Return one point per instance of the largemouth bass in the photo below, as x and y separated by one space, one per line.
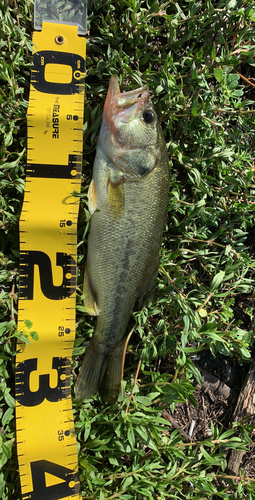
128 199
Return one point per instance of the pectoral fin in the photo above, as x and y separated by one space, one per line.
116 199
89 299
92 197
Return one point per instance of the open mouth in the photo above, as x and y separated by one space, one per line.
117 100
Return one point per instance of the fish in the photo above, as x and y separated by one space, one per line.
128 203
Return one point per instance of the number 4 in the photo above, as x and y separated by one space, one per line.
69 486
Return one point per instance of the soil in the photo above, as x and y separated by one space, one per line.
213 406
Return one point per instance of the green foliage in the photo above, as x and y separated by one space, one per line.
143 457
198 60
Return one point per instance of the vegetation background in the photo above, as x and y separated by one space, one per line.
198 59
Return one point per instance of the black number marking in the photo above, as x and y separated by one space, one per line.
69 487
61 330
38 81
30 259
26 397
61 435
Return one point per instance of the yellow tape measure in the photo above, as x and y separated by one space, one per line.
47 450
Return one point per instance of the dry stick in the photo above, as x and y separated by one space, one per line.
136 375
205 302
12 299
123 363
125 351
245 79
17 13
133 386
191 429
245 409
175 424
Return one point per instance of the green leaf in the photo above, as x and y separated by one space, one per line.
23 338
131 438
126 483
7 448
34 336
190 367
218 74
214 336
122 446
184 339
217 281
213 52
202 313
211 8
145 58
9 399
186 323
193 71
142 433
28 323
195 176
194 107
181 358
207 455
221 38
159 89
8 415
143 400
232 4
98 443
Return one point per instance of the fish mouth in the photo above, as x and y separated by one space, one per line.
117 101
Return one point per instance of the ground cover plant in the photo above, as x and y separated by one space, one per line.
198 60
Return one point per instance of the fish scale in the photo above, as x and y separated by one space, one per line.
124 243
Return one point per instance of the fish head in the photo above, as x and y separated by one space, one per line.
130 132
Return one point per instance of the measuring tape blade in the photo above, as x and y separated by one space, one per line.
47 449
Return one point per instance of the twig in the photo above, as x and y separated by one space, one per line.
17 13
134 383
191 429
245 408
12 298
245 79
175 424
136 375
205 302
125 351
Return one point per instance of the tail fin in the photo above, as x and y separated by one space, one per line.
101 371
109 387
92 370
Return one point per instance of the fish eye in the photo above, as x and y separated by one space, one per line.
148 116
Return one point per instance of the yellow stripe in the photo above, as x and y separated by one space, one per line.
46 441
